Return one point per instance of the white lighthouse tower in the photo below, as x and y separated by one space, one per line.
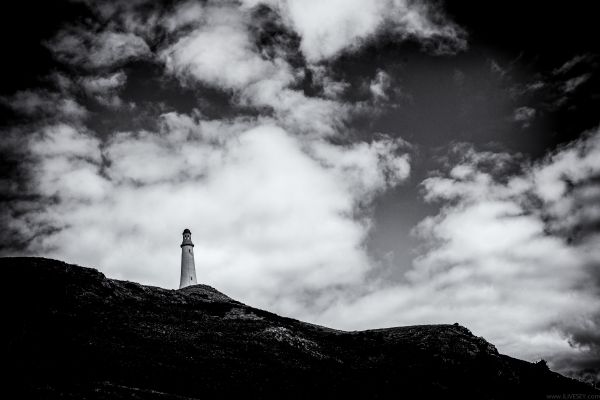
188 269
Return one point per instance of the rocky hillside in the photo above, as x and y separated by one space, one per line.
74 334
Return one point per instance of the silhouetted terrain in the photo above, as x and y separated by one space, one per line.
74 334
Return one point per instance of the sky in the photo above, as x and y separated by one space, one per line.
353 163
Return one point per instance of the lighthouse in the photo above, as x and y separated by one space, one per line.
188 269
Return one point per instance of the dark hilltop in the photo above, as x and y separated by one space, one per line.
74 334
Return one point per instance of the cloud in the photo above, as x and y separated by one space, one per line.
524 115
105 88
91 50
280 162
263 76
380 85
556 88
68 165
573 83
568 186
234 64
280 201
328 28
238 66
534 86
367 168
255 196
185 14
331 88
219 44
44 104
570 64
508 255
